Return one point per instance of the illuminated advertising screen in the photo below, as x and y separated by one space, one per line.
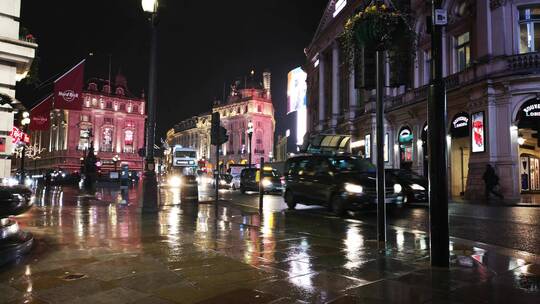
478 132
297 102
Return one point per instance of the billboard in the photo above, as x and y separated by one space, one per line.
297 102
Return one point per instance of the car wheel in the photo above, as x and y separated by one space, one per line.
242 190
233 187
290 200
338 206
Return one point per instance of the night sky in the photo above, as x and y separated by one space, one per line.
202 45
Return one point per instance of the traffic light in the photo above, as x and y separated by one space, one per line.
214 132
223 137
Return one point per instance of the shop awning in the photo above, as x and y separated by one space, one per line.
327 143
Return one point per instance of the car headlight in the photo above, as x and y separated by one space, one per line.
397 188
266 183
175 181
352 188
418 187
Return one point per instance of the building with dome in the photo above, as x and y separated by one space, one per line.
249 101
112 120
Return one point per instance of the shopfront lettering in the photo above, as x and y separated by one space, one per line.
532 110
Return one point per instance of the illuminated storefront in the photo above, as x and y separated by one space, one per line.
528 125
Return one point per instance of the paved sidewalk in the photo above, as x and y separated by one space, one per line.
108 253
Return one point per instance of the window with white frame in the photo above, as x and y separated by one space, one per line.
128 141
463 51
427 67
529 29
107 139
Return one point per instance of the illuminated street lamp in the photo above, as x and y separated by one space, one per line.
115 160
150 199
24 122
250 136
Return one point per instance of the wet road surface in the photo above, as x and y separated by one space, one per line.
509 227
104 250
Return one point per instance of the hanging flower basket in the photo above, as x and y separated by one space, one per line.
378 27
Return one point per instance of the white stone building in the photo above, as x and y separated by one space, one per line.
491 68
16 55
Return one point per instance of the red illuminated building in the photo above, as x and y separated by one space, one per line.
112 120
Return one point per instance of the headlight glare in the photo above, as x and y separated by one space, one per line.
397 188
418 187
175 181
266 183
352 188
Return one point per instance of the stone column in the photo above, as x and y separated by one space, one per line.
483 39
353 96
322 101
335 85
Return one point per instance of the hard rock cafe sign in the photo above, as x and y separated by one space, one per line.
68 95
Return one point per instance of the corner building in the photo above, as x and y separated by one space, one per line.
491 62
248 101
111 119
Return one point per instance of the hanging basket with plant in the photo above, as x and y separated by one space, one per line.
380 27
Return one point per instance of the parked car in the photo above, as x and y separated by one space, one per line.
271 180
414 186
339 182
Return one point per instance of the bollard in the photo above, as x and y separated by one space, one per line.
261 187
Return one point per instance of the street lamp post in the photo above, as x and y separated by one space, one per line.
150 199
115 159
250 136
24 122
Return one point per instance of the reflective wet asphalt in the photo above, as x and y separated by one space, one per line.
515 227
101 249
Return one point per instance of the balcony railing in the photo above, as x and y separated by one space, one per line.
499 66
524 61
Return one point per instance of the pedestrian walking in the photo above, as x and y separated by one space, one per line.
491 181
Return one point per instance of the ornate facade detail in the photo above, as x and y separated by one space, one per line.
495 4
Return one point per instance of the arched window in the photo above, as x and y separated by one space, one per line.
107 139
129 136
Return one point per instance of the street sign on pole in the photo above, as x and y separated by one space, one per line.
438 172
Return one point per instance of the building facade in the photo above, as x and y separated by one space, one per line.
251 103
112 120
490 64
16 55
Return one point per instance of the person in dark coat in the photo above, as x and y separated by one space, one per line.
491 181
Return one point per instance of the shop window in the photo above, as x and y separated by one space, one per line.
406 152
463 51
128 141
107 139
529 29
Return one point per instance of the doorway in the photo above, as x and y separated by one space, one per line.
460 150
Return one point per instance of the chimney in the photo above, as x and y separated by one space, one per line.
267 81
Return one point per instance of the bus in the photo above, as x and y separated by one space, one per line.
183 162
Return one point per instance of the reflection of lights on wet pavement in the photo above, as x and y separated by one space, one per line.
400 238
353 242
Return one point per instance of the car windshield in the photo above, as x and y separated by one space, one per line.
185 154
346 164
270 173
